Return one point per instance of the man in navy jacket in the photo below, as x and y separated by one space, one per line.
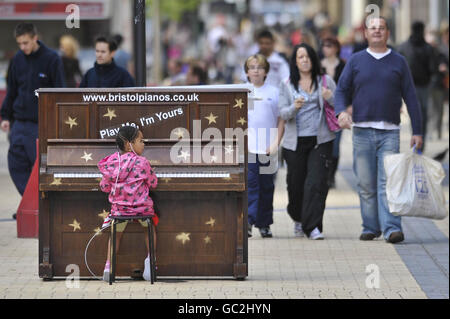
34 66
106 73
374 82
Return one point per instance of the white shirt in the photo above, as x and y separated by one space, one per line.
381 125
279 70
263 119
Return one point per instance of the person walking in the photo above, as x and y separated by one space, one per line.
308 142
374 81
422 62
122 58
105 73
68 46
265 131
333 66
279 68
439 85
34 66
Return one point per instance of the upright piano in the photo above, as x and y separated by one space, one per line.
196 143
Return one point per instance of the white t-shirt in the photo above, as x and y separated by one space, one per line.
381 125
279 70
263 119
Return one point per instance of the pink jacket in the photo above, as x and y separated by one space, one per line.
136 177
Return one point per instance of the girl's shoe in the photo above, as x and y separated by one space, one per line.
106 222
106 272
147 271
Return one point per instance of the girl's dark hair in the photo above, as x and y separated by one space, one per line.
126 134
316 70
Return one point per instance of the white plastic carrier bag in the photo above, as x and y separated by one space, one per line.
413 186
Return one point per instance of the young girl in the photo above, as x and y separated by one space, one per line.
263 121
128 178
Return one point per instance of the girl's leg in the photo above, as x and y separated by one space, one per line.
147 275
154 239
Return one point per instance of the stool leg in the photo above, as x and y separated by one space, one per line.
113 254
153 251
150 248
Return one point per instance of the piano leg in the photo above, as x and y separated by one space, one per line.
151 250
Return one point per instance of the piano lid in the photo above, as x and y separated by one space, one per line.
201 88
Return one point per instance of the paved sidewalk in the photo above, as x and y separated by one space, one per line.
284 267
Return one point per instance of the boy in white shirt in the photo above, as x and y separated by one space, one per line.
265 130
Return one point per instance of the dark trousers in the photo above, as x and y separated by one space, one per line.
260 195
22 152
307 173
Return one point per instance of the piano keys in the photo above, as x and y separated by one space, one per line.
202 182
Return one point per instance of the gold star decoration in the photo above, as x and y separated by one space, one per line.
103 214
110 114
211 118
87 157
71 122
227 178
166 179
75 225
207 239
97 230
211 222
239 103
56 181
242 121
183 237
184 155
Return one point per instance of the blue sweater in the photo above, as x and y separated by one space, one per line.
375 88
107 76
40 69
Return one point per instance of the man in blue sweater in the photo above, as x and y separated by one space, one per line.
374 81
106 73
34 66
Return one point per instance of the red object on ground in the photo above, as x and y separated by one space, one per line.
28 211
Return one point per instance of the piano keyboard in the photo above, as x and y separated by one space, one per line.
159 175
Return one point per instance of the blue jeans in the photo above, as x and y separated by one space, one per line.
369 148
260 195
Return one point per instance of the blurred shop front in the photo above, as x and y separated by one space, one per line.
96 17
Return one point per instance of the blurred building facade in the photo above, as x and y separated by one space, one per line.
49 16
188 38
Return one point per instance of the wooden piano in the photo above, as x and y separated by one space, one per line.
201 169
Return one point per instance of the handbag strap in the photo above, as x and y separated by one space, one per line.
324 81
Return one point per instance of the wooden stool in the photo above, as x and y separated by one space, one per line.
121 219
